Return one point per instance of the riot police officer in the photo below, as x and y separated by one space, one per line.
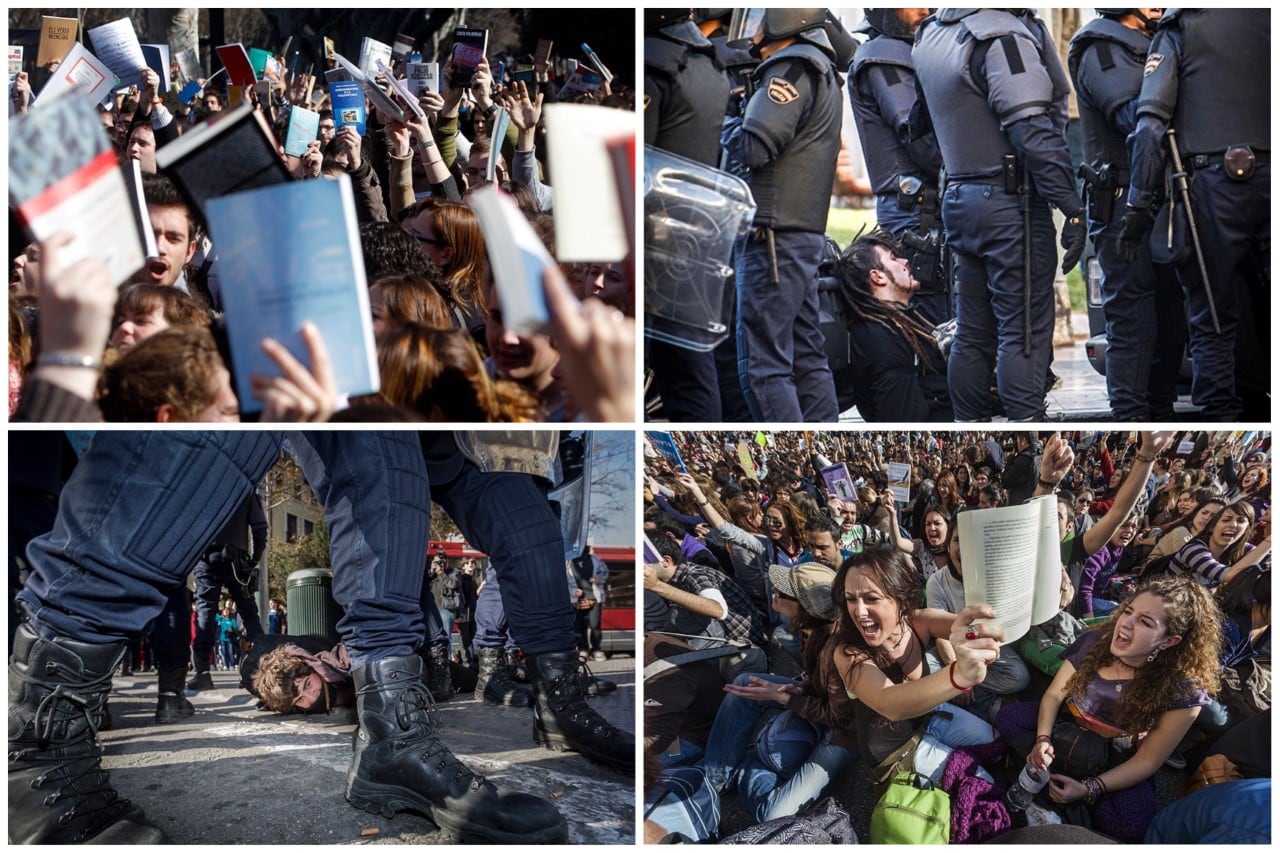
882 92
997 100
685 93
1142 301
1207 78
789 137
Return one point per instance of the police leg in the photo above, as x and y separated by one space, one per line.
1222 216
687 381
972 360
799 253
208 590
1021 378
496 680
767 309
1128 303
1171 344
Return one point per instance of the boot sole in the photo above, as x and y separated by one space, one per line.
387 801
175 718
557 742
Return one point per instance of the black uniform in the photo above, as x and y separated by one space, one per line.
1208 78
1142 302
685 93
789 137
214 571
892 384
995 88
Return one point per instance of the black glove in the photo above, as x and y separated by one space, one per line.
1074 235
1135 225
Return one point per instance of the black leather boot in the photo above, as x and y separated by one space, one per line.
439 680
58 791
496 683
401 764
562 719
201 680
171 705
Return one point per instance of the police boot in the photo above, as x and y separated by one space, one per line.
171 705
562 720
496 683
401 764
439 680
202 680
58 791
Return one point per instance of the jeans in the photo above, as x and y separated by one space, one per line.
1006 675
950 726
230 657
141 507
731 733
212 574
767 795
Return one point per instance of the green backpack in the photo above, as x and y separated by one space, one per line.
911 811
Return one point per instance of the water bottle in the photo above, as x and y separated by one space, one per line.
1029 783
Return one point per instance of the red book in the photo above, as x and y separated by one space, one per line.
236 60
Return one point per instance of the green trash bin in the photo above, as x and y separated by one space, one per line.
312 610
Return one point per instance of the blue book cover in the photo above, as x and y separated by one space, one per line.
347 99
666 445
288 254
304 127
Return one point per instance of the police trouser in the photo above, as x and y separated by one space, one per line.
1146 327
141 507
508 517
781 363
985 230
213 573
1234 221
687 381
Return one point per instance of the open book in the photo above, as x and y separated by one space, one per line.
1013 562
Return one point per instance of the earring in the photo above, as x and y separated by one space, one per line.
1151 657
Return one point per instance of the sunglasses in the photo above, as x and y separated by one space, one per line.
434 241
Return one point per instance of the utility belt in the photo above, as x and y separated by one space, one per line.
1009 178
1104 185
1238 161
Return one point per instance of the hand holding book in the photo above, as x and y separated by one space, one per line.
298 395
976 644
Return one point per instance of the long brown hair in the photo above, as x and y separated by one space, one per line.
458 226
439 373
413 299
1191 613
1236 549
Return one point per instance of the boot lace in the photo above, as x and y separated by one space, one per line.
415 712
81 780
569 689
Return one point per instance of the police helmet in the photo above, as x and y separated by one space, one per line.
656 19
1148 23
773 24
887 22
703 15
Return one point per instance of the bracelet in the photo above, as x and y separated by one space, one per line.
1046 738
1093 789
53 359
1047 484
157 101
951 673
1142 458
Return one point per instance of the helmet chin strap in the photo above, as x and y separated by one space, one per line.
1147 24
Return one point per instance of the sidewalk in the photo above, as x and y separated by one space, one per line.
235 775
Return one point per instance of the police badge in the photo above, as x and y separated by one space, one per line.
782 91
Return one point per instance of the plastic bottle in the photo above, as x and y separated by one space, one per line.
1030 782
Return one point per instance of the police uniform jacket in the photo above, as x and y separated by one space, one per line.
685 92
1106 59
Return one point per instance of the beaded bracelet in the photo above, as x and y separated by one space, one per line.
1093 789
951 673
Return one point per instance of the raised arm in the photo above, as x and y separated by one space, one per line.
1133 486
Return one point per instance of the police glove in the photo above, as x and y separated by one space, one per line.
1135 225
1074 235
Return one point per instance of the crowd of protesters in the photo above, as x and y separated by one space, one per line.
803 631
158 352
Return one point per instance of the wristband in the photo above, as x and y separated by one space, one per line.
1046 738
1142 458
1047 484
951 673
53 359
155 101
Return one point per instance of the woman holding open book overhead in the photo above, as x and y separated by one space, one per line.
905 719
1124 698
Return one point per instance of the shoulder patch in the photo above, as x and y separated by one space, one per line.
1153 62
782 91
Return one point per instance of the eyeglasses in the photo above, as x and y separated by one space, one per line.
770 521
326 127
439 242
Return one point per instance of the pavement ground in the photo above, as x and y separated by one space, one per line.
235 775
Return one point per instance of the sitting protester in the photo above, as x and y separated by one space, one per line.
1222 550
1125 696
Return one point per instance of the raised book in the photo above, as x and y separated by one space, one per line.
1012 559
57 35
469 48
64 177
517 258
229 154
288 255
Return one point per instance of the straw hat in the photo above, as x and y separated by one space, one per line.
808 583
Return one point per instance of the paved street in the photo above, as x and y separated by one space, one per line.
235 775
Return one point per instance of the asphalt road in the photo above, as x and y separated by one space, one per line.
235 775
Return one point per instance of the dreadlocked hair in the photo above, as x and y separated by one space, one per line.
274 680
1195 661
853 270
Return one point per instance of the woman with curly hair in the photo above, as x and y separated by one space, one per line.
1222 550
174 375
439 374
1138 683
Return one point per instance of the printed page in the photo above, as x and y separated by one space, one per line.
1001 553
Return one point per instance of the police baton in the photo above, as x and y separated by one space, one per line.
1179 177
